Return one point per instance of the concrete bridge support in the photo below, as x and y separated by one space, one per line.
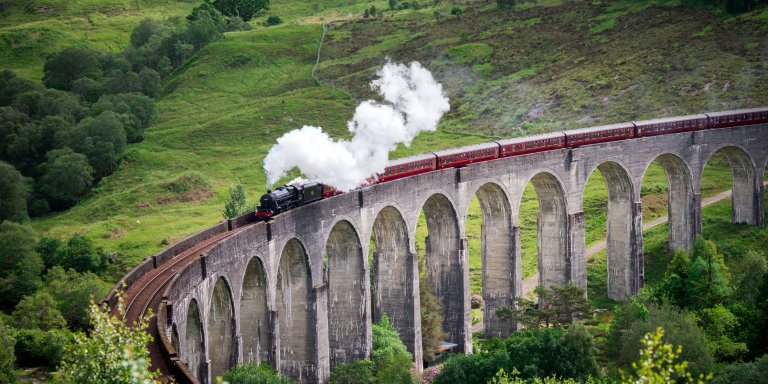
255 330
296 307
195 343
347 296
447 268
502 270
555 238
396 278
222 348
684 207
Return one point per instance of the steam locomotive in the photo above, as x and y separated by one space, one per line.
290 196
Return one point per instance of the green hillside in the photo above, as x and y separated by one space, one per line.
222 111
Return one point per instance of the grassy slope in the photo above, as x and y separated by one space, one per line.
220 120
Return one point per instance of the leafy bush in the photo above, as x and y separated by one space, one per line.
543 352
36 348
20 265
356 372
273 20
254 374
7 356
73 292
390 357
38 311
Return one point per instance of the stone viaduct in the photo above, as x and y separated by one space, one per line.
300 293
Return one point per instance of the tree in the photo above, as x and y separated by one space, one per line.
12 85
7 357
80 254
20 265
67 178
708 279
393 4
680 329
64 67
556 306
73 292
235 204
38 311
36 348
719 324
147 28
246 9
659 363
390 357
456 11
747 281
15 190
431 320
505 4
745 373
373 11
149 81
114 352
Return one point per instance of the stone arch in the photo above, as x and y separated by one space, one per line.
222 351
445 267
347 335
553 235
255 329
682 208
194 345
394 270
743 197
295 303
622 267
502 274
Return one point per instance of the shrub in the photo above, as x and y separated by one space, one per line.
254 374
38 311
390 357
20 265
273 20
36 348
431 320
356 372
7 356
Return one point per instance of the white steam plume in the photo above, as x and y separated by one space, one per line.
414 102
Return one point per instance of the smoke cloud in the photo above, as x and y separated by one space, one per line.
413 103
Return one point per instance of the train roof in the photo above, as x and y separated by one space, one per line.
526 139
410 159
475 147
599 128
670 119
736 111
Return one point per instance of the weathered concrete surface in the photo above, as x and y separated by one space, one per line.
315 269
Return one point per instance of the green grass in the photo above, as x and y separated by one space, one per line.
223 111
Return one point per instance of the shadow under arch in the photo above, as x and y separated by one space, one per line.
681 205
502 272
194 345
445 270
744 194
221 329
345 275
622 261
394 270
552 226
255 329
295 303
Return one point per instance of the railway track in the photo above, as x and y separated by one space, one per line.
147 294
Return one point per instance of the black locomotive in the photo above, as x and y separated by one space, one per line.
287 197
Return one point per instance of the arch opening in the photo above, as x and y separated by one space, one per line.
491 240
296 313
552 231
194 351
734 164
175 338
347 335
255 329
444 270
393 268
221 329
681 223
608 207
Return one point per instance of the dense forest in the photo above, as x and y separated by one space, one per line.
124 127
